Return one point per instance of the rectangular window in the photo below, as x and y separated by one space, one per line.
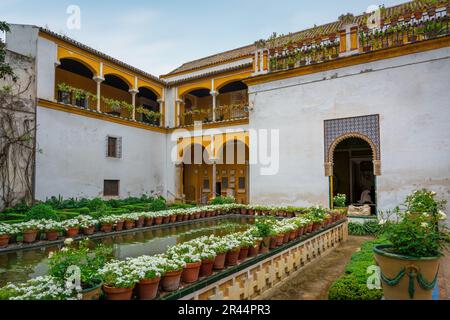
206 184
225 183
111 188
113 147
241 183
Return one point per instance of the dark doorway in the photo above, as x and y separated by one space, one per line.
354 173
218 189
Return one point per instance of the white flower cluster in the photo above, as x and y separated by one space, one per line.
42 288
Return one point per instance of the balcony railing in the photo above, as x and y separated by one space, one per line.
222 113
122 109
411 29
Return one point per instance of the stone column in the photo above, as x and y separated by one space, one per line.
179 180
162 110
214 95
214 177
133 92
99 81
178 110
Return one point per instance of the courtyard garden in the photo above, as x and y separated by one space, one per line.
143 248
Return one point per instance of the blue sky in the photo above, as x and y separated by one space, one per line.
158 36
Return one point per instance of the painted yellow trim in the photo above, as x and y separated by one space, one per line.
146 84
205 126
168 76
100 116
85 56
129 79
203 84
352 60
93 65
223 81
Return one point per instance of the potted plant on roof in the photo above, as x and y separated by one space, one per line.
409 265
119 279
88 262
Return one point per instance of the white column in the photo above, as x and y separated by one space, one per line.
214 178
133 92
99 81
214 95
162 111
178 119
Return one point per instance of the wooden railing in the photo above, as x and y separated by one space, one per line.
223 113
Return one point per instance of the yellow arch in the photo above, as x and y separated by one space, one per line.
155 89
184 144
221 82
221 140
92 65
183 90
129 80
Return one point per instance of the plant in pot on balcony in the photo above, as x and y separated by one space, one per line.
431 29
340 201
119 279
64 93
149 270
81 97
264 229
410 265
87 261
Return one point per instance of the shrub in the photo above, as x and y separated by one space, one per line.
96 204
222 200
353 285
12 216
42 212
371 228
158 204
340 200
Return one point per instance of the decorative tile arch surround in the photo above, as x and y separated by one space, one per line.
366 128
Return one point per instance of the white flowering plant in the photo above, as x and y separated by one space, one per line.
72 223
418 233
147 267
5 229
186 252
41 288
119 274
86 221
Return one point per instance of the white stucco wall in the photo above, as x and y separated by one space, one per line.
72 160
410 93
46 66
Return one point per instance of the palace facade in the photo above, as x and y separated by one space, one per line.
350 107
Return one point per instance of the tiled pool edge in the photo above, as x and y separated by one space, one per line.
243 282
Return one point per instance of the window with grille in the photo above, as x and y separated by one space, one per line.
224 182
111 188
113 147
206 184
241 183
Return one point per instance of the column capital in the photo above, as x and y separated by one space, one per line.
160 101
179 101
214 93
98 79
133 91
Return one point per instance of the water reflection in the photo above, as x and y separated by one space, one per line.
23 265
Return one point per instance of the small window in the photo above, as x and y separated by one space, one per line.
241 183
225 183
111 188
113 147
206 184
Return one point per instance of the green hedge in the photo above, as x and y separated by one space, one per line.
371 228
12 216
353 285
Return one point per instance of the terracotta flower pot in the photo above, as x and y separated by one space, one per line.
166 220
92 294
206 269
265 245
148 289
106 227
140 223
280 240
173 218
309 229
4 241
251 212
243 211
30 236
158 221
243 254
171 281
148 222
72 232
292 235
129 224
51 235
202 214
254 251
409 278
117 294
301 231
286 237
232 257
219 261
316 226
179 218
89 231
197 215
119 225
273 243
191 272
185 217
